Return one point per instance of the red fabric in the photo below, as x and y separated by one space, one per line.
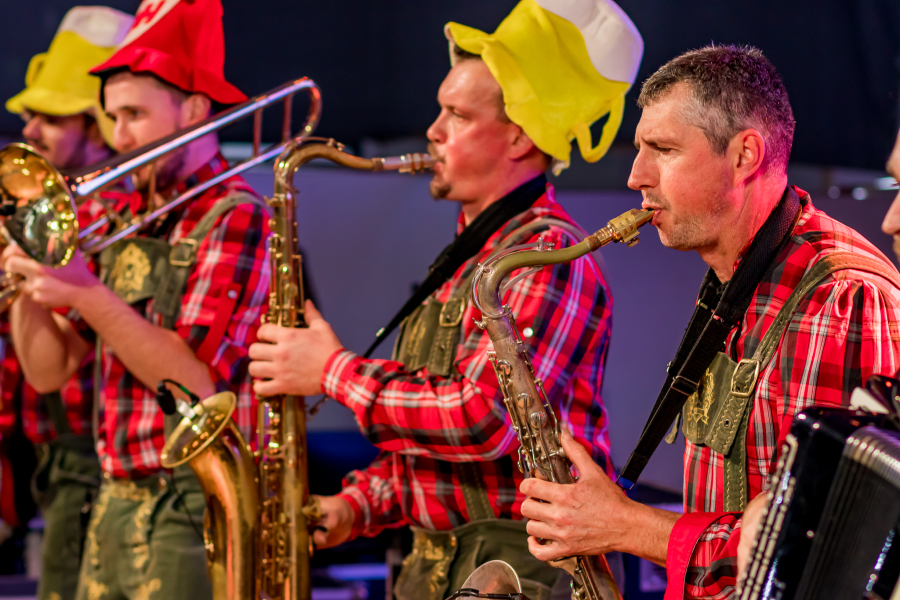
234 252
423 422
182 43
687 534
227 302
7 494
844 331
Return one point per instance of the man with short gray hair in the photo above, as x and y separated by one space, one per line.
805 308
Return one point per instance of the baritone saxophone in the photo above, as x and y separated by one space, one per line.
533 419
259 516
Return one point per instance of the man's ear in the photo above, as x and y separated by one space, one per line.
195 108
521 145
747 150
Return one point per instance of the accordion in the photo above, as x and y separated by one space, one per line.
829 528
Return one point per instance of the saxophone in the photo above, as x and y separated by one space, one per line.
533 419
259 511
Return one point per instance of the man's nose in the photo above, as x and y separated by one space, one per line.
435 133
123 141
891 223
642 173
32 129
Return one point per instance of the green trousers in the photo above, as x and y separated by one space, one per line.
66 490
441 561
145 541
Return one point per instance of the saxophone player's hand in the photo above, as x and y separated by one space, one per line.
291 361
750 522
575 518
336 523
591 516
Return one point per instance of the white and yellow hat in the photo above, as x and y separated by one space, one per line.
57 82
562 65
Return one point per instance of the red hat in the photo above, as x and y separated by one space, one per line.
181 42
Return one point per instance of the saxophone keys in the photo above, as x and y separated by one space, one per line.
523 400
538 419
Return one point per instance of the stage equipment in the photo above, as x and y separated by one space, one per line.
533 419
259 513
40 202
830 527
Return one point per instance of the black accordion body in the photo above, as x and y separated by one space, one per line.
829 529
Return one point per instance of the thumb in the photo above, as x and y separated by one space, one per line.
577 453
312 315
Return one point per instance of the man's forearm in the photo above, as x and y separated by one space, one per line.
649 530
149 352
47 346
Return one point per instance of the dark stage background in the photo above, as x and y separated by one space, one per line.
369 238
380 63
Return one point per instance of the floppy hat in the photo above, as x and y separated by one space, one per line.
562 65
57 81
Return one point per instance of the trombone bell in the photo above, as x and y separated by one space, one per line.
38 206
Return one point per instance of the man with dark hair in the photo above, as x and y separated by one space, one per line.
179 301
447 466
805 309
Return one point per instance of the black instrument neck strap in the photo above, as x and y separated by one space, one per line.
465 246
717 312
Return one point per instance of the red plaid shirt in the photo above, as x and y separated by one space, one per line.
844 331
234 252
77 393
423 423
11 379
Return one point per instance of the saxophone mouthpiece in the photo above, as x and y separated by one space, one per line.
623 228
414 162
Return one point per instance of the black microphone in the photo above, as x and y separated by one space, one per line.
165 399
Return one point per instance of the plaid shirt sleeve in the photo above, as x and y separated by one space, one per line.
845 332
224 299
372 497
462 417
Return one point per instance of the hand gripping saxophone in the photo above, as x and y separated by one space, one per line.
259 511
533 419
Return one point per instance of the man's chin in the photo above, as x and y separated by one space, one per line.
897 247
439 189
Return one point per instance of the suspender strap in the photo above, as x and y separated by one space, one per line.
57 411
709 329
98 384
183 255
748 370
474 491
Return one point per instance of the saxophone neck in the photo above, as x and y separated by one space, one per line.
488 281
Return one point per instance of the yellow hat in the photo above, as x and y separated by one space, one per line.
562 65
57 82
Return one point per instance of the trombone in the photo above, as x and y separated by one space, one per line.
39 202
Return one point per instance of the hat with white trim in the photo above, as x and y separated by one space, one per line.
562 65
182 43
57 81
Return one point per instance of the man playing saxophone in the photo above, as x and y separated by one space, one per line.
713 146
447 465
64 121
179 301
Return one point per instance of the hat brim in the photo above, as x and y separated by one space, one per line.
49 102
167 68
